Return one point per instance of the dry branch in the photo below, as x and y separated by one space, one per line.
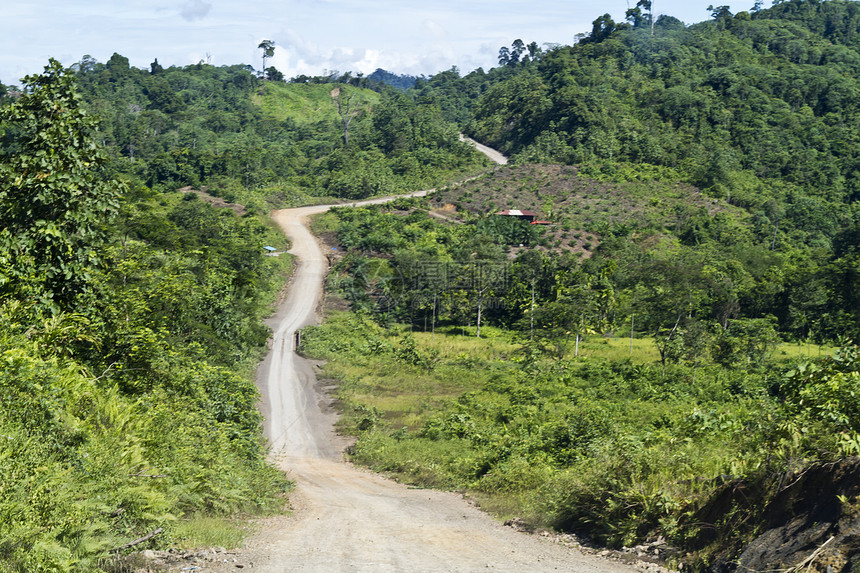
146 537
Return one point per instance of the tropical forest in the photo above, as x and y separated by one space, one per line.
640 330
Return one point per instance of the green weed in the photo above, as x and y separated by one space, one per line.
608 443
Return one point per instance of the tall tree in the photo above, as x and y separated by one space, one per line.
54 202
638 17
534 51
268 47
602 28
504 56
346 109
273 74
517 50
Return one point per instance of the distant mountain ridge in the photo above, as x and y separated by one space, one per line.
401 82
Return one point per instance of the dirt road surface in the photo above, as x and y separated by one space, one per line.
347 519
494 155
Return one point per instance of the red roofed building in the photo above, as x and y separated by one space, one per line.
524 215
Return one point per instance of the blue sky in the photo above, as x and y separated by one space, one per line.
311 36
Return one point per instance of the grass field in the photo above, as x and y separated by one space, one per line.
496 343
608 442
452 364
305 103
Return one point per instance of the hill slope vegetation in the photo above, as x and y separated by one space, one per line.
637 369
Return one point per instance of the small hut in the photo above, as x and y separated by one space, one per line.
524 215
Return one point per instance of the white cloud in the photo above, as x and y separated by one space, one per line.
402 36
434 30
195 10
369 62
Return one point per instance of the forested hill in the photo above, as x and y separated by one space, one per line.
401 82
260 141
757 109
751 107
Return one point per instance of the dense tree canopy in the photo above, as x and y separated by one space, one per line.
124 317
54 204
737 103
261 140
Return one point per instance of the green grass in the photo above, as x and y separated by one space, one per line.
407 397
804 350
639 350
608 443
644 351
203 531
306 103
324 222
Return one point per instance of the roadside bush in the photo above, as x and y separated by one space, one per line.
827 391
85 468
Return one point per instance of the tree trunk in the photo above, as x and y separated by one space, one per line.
631 334
346 112
775 229
532 315
433 320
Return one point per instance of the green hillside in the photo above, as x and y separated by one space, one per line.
656 363
306 103
753 110
131 324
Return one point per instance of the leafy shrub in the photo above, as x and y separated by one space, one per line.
826 391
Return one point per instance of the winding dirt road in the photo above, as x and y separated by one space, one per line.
346 519
494 155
